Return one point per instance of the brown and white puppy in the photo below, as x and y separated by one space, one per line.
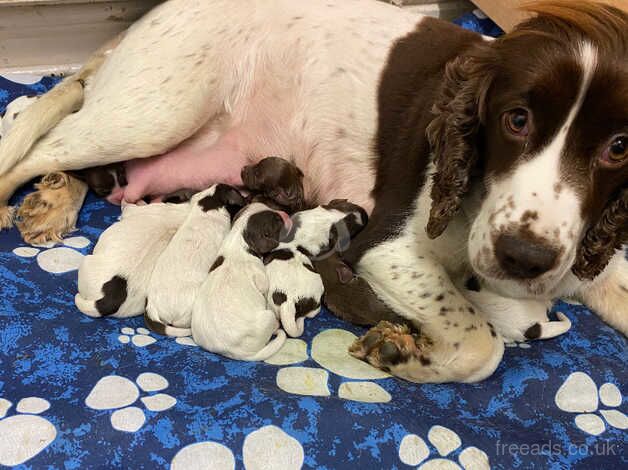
277 179
230 315
183 266
296 288
114 279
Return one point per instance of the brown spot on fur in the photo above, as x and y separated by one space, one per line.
217 263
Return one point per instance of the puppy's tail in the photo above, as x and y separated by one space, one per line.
551 329
292 325
165 330
36 120
88 307
270 349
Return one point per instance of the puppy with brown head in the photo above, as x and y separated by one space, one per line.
230 316
277 179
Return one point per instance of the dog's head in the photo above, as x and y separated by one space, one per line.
220 196
542 115
278 179
262 227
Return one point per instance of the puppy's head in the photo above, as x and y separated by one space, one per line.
278 179
541 117
263 230
220 196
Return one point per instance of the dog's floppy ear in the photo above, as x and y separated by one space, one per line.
231 198
453 133
604 238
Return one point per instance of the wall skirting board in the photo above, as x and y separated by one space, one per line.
56 36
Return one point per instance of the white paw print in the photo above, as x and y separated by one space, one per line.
56 260
32 432
267 448
579 394
414 451
330 351
139 337
114 392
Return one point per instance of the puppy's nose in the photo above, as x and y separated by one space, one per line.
524 259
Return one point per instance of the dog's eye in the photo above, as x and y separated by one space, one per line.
616 152
516 122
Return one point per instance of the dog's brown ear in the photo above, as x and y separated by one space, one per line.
603 239
459 112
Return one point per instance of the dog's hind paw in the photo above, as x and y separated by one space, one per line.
387 344
49 213
6 217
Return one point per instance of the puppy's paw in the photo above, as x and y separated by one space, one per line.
6 217
386 345
51 211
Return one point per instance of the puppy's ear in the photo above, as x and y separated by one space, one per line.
459 111
604 238
229 196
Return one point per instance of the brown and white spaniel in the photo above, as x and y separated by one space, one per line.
499 165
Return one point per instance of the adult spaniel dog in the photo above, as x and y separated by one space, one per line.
495 171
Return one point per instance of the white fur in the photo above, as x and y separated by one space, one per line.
230 316
129 248
12 111
184 264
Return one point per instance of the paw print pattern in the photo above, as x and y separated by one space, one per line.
330 351
139 337
266 448
579 394
414 451
56 260
114 392
32 432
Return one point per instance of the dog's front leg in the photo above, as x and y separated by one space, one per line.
607 295
452 342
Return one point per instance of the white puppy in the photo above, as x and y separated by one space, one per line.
230 316
184 264
113 280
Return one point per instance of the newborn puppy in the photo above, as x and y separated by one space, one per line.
295 287
230 316
279 180
183 265
114 279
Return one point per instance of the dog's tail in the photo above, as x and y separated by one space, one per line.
290 323
36 120
270 349
551 329
88 307
165 330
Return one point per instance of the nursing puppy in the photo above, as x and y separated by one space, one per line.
230 315
295 287
279 180
184 264
114 279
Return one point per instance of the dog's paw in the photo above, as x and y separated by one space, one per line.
386 345
50 212
6 217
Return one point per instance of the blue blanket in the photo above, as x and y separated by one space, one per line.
77 392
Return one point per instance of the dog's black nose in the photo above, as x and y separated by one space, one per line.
524 259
